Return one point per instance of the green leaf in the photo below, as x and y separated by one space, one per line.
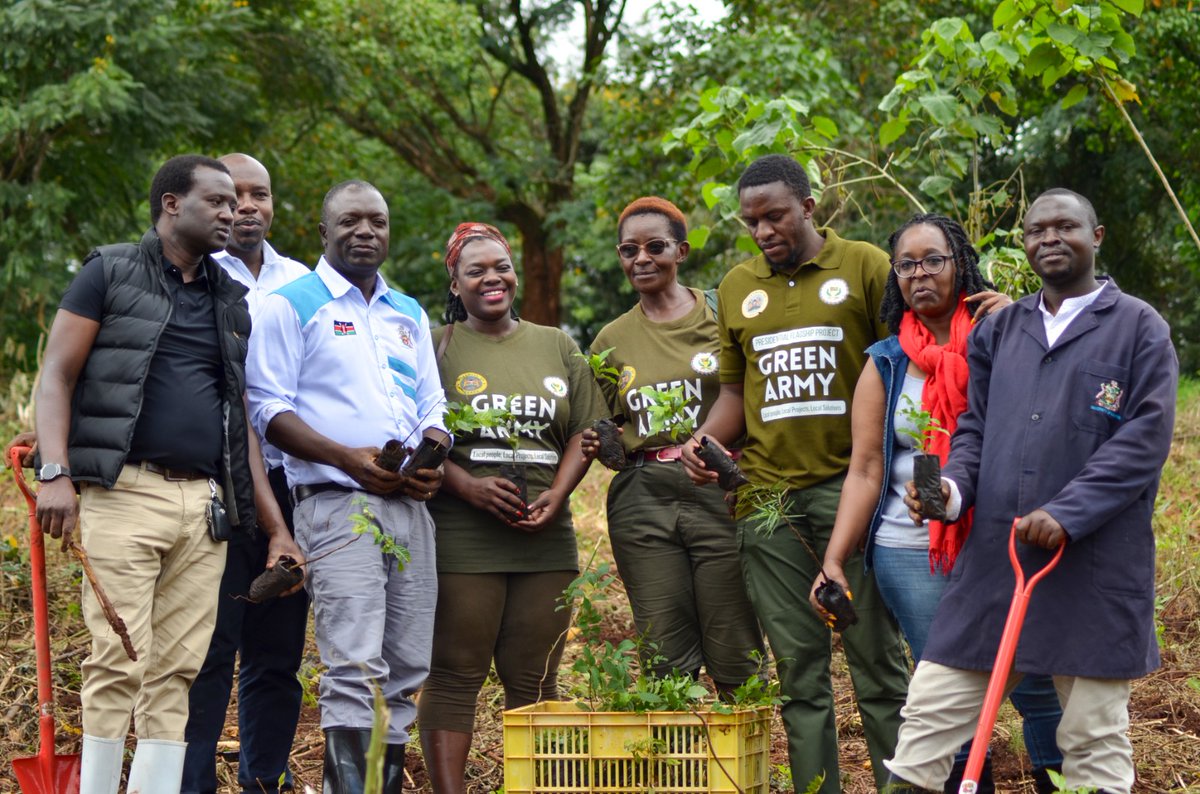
950 29
1063 34
935 185
941 107
1042 58
711 193
709 168
1134 7
892 98
758 135
1004 13
825 126
1075 95
891 130
698 236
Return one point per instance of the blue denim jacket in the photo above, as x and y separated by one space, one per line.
892 363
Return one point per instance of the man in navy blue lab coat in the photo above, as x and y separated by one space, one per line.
1072 404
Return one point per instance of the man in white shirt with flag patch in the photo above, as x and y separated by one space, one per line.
339 364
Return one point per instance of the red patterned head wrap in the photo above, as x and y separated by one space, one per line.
465 233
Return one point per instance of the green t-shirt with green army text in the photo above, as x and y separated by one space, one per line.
680 352
535 371
797 345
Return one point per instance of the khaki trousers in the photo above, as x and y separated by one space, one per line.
943 708
148 542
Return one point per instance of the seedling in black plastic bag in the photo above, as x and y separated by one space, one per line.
768 509
927 469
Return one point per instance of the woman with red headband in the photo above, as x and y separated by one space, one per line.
503 562
674 542
934 296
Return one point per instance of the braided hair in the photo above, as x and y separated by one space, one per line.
967 276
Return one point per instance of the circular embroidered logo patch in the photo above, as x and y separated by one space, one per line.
704 363
556 386
628 373
470 383
834 291
754 304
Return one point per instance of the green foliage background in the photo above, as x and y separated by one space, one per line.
435 101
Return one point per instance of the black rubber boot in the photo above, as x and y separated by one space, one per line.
393 769
346 761
1041 779
986 784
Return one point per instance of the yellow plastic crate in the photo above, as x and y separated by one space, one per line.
557 747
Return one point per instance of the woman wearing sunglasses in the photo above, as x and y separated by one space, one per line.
934 296
673 541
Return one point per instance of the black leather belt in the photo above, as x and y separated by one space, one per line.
172 475
302 492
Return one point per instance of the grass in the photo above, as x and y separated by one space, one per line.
1165 705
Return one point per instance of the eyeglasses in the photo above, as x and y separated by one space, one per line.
653 247
932 265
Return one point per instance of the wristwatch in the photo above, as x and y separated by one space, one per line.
52 471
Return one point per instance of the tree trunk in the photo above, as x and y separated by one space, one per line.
541 267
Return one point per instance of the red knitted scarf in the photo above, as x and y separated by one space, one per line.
944 397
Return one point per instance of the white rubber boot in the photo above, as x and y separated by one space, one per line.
100 765
157 767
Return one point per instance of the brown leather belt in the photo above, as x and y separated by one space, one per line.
172 475
302 492
665 455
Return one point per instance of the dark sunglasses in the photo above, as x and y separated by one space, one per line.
653 247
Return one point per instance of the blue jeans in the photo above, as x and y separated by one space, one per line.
270 639
911 591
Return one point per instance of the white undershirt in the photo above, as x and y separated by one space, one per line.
1068 310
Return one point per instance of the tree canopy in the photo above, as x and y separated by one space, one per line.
547 116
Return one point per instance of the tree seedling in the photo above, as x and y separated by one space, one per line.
462 419
611 453
665 411
287 573
603 371
768 509
927 468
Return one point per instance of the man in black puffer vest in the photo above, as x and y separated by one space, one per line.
141 407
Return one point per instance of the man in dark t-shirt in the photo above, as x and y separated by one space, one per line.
141 407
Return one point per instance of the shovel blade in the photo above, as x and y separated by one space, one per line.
62 777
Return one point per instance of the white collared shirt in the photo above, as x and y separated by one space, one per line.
1068 310
359 373
276 271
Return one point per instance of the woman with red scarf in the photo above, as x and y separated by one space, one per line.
935 294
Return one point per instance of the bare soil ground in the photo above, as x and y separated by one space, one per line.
1165 706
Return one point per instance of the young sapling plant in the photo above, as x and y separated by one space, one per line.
666 412
611 453
768 509
462 418
287 573
920 426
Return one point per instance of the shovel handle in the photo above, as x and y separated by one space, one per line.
1004 659
41 615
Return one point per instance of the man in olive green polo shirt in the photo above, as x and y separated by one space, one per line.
794 325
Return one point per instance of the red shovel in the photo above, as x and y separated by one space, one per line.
1004 660
47 772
